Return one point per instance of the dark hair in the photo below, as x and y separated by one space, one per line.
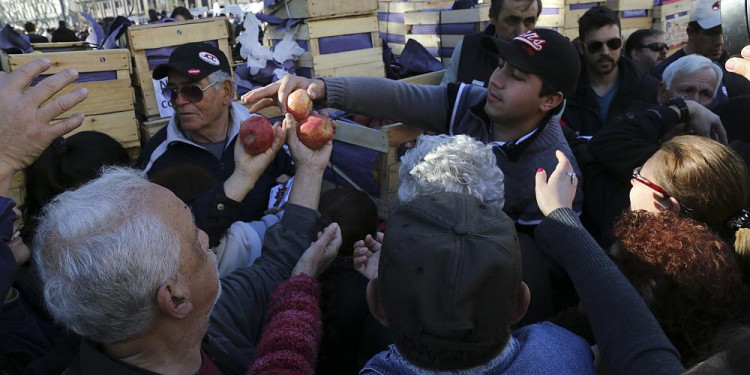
29 27
687 275
444 359
596 18
67 164
182 11
354 211
186 181
496 6
636 39
152 15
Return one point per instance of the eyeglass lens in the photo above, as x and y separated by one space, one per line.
191 93
656 47
612 44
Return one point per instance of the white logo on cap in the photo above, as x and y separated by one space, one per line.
209 58
532 39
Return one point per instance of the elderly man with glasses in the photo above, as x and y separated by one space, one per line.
608 83
203 132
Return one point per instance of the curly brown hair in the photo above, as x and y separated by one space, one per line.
687 275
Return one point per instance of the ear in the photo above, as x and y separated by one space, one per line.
376 303
227 91
549 102
522 303
493 14
674 205
661 92
579 45
174 300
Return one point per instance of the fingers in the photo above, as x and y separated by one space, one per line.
379 236
721 134
280 136
372 244
268 91
49 86
286 87
21 78
261 104
62 104
65 126
316 90
541 182
563 164
738 65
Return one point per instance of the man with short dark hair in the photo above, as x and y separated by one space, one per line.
203 132
470 63
534 73
33 36
608 84
449 288
64 34
646 48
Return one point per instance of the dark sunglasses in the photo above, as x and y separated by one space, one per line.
656 47
193 93
637 176
612 44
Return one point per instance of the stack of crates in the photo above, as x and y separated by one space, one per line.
634 14
391 17
553 15
673 16
574 9
341 38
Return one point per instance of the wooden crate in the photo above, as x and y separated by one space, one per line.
168 35
320 9
635 19
629 4
669 7
551 16
574 10
441 45
367 61
675 28
391 19
62 46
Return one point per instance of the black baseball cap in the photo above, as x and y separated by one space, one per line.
544 52
195 61
450 271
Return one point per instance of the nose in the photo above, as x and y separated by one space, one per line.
691 96
180 100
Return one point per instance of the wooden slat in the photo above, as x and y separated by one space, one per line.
361 136
103 97
121 126
322 8
373 69
629 4
432 78
410 6
392 28
82 61
342 26
176 33
334 60
478 14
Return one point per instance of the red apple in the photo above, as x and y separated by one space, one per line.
256 134
315 131
299 104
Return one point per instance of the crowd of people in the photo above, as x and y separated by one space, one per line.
570 209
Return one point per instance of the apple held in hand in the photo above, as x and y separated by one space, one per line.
256 134
315 131
299 104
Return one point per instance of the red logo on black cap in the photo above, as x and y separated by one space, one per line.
209 58
532 39
194 71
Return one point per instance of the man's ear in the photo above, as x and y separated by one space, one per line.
579 46
550 102
522 303
661 92
493 14
227 91
174 299
375 302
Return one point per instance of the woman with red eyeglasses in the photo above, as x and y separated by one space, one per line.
669 247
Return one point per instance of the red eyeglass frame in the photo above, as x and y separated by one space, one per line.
637 176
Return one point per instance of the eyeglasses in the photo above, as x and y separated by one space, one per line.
612 44
637 176
656 47
193 93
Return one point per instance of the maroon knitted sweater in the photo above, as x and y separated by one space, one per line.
290 340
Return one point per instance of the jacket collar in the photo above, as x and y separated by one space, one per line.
238 112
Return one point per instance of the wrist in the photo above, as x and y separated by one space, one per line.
238 185
682 108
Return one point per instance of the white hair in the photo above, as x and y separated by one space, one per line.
689 65
102 257
221 76
460 164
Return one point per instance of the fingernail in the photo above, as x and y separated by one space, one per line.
84 91
539 170
46 61
730 65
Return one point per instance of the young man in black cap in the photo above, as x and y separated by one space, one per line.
534 72
203 132
449 287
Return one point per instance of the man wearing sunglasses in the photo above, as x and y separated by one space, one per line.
646 48
705 37
608 84
203 132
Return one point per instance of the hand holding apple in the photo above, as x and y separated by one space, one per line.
304 156
256 134
316 131
299 104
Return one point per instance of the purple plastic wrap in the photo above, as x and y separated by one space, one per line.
446 28
343 43
444 52
551 10
637 13
393 38
110 75
391 17
358 163
582 6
